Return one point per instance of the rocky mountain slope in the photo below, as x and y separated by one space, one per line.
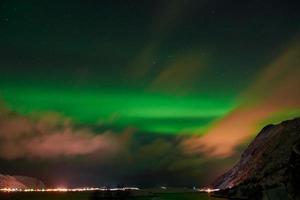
271 161
20 182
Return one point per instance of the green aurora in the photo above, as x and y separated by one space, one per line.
143 93
148 112
159 73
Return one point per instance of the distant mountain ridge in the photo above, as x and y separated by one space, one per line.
20 182
272 160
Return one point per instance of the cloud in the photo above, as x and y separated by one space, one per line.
168 16
160 161
68 143
52 140
275 90
228 133
181 74
21 137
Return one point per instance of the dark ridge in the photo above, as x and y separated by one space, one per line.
269 165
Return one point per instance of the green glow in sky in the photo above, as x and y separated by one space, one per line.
148 112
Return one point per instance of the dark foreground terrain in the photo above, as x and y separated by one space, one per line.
99 196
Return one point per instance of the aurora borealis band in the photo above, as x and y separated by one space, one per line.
153 113
141 92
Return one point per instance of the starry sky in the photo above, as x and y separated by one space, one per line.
146 93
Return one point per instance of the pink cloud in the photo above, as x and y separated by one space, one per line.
20 137
68 143
275 90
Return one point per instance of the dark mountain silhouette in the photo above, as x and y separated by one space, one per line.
269 168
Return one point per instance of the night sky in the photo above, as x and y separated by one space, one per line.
142 93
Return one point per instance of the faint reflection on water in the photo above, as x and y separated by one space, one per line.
102 196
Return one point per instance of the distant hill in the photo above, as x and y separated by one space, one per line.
270 166
20 182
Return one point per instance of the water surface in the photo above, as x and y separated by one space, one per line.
90 196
